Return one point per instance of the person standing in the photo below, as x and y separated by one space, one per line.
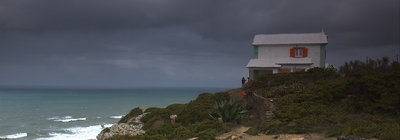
243 81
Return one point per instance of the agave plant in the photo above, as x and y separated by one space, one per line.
228 110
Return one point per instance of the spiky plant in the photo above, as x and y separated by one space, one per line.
228 110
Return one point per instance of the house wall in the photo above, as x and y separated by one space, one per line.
252 75
279 51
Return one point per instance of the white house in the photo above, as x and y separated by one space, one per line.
282 53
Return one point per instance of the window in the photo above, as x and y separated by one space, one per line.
299 52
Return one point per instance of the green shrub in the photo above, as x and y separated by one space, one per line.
105 130
221 96
193 120
152 109
208 134
155 117
209 124
121 137
132 114
198 110
204 130
389 131
228 110
176 108
278 85
168 131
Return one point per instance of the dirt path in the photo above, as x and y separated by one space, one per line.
238 134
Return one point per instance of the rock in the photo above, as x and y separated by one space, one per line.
121 129
132 129
233 137
194 138
173 118
220 120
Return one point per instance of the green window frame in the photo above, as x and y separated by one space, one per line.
322 56
255 52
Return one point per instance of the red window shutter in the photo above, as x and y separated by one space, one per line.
292 53
305 52
284 71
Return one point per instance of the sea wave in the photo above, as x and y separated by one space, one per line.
77 133
65 119
70 120
58 117
14 136
116 117
53 118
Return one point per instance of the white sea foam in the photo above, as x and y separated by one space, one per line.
59 118
14 136
116 117
65 119
77 133
70 119
53 118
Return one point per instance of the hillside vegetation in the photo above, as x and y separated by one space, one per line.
360 99
193 120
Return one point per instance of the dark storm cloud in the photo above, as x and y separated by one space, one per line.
174 42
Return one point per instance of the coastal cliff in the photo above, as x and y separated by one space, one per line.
129 125
358 101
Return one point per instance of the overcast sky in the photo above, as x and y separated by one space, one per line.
191 43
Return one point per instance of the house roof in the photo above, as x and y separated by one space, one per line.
255 63
278 39
276 63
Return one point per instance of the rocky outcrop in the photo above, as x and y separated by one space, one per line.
173 118
132 128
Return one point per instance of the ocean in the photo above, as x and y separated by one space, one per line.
69 114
